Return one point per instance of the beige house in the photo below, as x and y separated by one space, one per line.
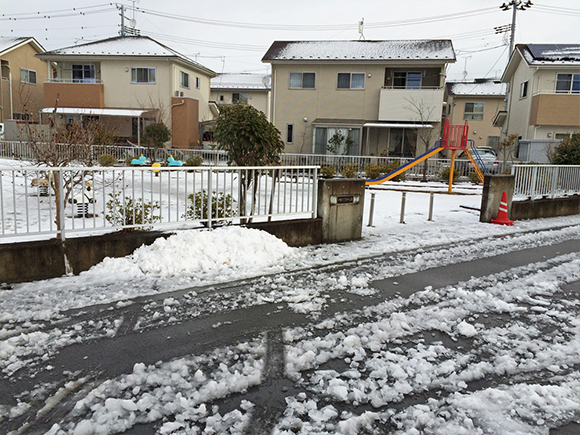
358 97
544 92
127 82
244 88
22 76
478 102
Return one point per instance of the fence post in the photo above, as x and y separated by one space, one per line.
60 205
555 174
209 197
431 196
533 182
315 194
403 199
372 210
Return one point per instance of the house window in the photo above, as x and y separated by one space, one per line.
221 98
83 73
184 79
568 83
27 76
142 75
351 81
240 98
473 111
289 134
407 80
336 140
302 80
524 90
197 83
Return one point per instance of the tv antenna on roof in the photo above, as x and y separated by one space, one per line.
360 29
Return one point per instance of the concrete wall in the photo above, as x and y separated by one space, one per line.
30 261
543 208
340 205
493 188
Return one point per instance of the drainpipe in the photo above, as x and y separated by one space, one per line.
10 90
274 98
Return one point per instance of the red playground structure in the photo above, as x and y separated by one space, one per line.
454 138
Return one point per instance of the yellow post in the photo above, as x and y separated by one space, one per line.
451 170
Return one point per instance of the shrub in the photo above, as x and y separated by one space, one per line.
221 206
567 152
390 167
328 171
350 171
107 160
194 160
373 171
472 175
444 174
131 212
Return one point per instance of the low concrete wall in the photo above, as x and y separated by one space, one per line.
493 188
543 208
44 259
299 232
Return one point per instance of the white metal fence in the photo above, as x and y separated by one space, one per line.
537 181
73 200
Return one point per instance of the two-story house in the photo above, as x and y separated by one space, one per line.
478 102
544 92
22 76
126 82
376 95
242 88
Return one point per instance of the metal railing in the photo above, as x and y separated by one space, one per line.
550 181
74 200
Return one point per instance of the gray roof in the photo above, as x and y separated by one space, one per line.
241 81
441 49
546 54
123 46
479 87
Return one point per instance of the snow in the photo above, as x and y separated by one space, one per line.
361 50
550 54
489 87
241 81
492 354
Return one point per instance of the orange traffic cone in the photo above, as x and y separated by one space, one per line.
502 214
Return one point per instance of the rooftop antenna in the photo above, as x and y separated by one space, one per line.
360 29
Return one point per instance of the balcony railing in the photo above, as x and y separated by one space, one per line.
76 81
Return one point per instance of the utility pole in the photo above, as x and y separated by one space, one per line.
122 9
515 5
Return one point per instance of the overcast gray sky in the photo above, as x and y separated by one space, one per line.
233 35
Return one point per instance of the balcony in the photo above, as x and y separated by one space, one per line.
555 109
396 104
74 94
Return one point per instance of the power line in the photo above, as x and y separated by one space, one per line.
63 13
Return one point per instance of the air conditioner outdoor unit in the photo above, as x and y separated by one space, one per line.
181 94
177 93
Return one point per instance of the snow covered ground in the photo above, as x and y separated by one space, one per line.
495 354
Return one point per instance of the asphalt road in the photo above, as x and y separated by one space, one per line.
104 358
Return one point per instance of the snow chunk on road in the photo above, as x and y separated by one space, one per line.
466 329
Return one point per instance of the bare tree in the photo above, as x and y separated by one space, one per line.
426 135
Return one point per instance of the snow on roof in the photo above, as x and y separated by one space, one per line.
124 46
551 54
8 43
241 81
487 87
361 50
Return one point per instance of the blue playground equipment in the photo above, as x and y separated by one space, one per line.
140 161
172 162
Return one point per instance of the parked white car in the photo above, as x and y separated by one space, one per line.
487 156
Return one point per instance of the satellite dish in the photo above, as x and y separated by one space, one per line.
132 22
266 81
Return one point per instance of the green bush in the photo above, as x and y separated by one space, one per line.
567 152
221 206
473 177
107 160
373 171
194 160
328 171
350 171
131 212
444 174
390 167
